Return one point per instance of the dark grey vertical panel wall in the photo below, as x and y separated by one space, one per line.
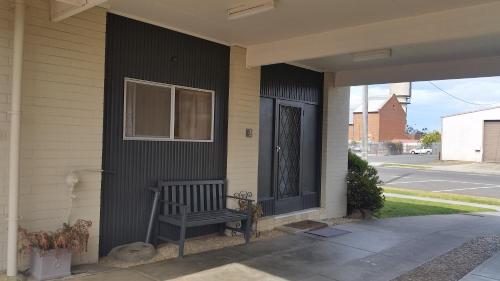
287 82
266 137
142 51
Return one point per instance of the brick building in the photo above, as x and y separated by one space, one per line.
386 121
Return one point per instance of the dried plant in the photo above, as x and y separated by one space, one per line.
72 237
256 211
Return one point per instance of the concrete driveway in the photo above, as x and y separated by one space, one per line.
373 250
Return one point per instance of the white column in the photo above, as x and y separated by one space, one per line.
335 146
364 131
15 136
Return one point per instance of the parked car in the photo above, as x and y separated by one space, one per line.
421 151
355 149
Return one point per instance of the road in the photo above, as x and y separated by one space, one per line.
441 181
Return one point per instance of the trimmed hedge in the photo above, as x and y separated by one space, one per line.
364 191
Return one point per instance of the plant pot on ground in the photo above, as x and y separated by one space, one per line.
50 252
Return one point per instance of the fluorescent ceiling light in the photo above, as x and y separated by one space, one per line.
250 8
77 3
372 55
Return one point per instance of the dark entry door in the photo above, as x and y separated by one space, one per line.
288 153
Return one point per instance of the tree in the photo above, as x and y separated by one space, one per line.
430 138
418 133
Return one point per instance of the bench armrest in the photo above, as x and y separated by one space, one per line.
240 198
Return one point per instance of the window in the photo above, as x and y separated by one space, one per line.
155 111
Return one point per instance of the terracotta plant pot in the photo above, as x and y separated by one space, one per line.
50 264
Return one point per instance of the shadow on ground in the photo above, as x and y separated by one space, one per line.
373 250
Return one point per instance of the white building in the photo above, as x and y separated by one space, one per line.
472 136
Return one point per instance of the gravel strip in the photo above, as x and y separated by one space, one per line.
455 264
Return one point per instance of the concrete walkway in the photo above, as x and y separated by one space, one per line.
373 250
488 271
452 202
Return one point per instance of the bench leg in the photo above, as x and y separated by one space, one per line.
222 229
182 235
182 238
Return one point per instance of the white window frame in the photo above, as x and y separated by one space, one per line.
172 111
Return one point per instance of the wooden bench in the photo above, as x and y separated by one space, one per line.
197 203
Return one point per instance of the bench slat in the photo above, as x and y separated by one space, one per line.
181 195
207 198
188 198
195 199
217 212
166 198
198 196
197 182
202 198
215 206
206 219
174 200
221 195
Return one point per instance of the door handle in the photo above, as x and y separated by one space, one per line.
278 148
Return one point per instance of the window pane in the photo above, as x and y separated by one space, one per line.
193 114
147 110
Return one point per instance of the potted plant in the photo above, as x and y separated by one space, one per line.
50 252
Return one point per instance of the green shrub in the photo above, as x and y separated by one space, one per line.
395 148
363 186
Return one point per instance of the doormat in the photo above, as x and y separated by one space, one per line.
327 232
306 225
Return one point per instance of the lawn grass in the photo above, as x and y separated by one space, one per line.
399 207
447 196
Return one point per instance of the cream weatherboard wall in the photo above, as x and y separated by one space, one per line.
62 104
244 100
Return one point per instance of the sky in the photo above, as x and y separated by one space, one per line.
428 104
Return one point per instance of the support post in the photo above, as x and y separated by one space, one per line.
15 137
364 132
334 148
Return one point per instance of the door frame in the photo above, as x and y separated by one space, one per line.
293 203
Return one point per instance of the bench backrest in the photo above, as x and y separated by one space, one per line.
199 196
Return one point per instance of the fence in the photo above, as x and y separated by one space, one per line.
396 148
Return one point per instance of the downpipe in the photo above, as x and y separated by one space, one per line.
15 136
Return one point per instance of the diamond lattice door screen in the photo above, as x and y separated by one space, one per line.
289 136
